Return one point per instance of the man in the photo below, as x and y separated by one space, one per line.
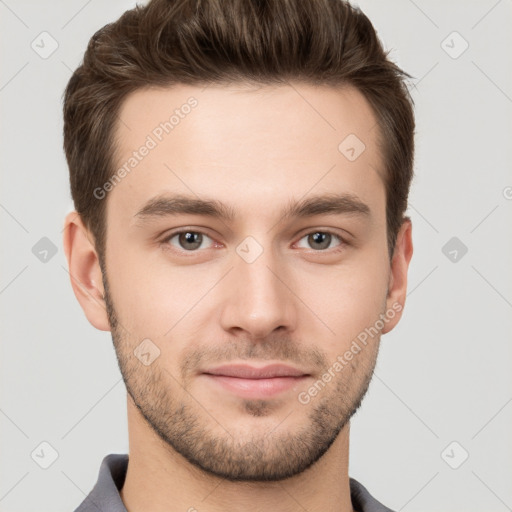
240 172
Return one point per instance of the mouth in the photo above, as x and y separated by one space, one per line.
256 382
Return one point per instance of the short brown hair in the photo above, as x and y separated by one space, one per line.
197 42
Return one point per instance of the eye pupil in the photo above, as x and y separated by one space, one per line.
324 239
193 239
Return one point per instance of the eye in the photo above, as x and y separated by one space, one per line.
187 240
321 240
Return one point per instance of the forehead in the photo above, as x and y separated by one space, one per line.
243 144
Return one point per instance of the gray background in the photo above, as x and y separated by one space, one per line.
444 373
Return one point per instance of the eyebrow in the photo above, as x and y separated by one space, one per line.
326 204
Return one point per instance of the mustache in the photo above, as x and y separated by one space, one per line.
275 348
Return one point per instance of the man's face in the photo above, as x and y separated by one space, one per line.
256 289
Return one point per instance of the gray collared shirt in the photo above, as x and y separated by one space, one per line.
105 497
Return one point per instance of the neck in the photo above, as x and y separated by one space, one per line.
159 479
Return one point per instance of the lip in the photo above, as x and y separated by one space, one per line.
256 382
245 371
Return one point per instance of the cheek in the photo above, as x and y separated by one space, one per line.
153 297
344 301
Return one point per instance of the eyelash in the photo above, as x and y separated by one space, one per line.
340 247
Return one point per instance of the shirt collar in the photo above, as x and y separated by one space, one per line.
105 496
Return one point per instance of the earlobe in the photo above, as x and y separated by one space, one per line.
85 271
397 289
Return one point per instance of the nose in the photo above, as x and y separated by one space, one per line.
258 297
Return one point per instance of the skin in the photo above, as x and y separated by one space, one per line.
193 444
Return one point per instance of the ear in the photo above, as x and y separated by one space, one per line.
397 287
85 271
